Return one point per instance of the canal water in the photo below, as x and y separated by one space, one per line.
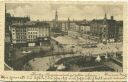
81 63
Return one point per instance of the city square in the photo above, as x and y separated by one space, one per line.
63 45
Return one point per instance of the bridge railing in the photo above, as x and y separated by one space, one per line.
7 67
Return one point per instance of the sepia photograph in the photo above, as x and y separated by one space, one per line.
63 37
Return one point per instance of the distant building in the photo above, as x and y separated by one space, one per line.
85 28
73 26
29 32
106 29
56 30
65 25
76 28
120 34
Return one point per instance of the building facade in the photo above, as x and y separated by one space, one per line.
29 32
105 29
18 33
11 20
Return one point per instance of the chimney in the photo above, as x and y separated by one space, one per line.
112 17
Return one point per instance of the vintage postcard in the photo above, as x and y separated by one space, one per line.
63 41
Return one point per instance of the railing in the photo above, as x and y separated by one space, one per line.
113 66
117 60
7 67
84 68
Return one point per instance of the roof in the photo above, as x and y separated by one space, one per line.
18 19
120 23
71 41
31 23
103 21
65 40
99 21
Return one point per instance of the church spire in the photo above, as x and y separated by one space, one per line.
5 9
68 23
68 19
105 17
56 16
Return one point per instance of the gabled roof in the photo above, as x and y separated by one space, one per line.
20 19
31 23
103 21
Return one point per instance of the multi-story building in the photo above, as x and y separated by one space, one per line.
18 31
106 29
84 26
84 29
78 27
29 32
73 26
65 25
120 34
11 20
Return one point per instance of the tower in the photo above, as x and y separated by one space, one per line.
56 23
68 20
56 16
105 17
68 23
5 9
105 29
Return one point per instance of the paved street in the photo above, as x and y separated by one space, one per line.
101 48
65 34
40 64
44 63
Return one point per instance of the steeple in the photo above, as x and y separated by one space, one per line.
5 8
105 17
56 16
68 20
68 23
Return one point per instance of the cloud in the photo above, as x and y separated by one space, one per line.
15 5
19 10
46 11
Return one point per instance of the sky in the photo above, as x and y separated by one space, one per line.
41 11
